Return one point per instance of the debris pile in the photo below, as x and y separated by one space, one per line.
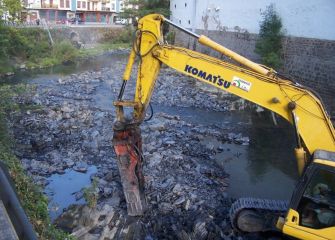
185 187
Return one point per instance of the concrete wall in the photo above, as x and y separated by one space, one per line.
301 18
309 61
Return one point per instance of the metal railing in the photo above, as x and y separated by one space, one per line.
13 207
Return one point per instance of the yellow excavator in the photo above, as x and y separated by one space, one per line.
310 214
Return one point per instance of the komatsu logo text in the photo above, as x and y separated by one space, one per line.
213 78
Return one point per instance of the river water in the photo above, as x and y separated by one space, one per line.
264 168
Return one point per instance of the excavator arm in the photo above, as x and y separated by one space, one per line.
253 82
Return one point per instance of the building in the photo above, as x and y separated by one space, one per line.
60 11
311 19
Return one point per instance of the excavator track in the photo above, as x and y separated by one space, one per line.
256 215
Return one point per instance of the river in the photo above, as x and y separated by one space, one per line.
264 168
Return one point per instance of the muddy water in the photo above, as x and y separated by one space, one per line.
265 168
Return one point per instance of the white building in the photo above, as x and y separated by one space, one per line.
101 11
301 18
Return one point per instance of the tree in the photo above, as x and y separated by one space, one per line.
136 9
10 8
269 44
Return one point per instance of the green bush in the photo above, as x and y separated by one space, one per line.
65 51
90 194
31 45
122 35
269 44
170 37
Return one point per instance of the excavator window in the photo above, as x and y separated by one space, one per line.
317 206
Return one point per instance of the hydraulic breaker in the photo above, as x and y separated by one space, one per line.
128 148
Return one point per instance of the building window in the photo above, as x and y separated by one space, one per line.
84 4
113 6
78 4
67 4
88 5
61 3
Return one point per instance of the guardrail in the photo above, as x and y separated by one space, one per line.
16 214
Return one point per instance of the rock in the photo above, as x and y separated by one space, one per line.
200 232
155 159
179 201
66 109
116 199
78 195
165 207
160 126
177 188
81 167
167 183
69 163
107 191
110 176
9 74
187 205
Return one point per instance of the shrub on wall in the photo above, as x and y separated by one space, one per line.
122 35
269 44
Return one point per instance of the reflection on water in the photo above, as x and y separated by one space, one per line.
250 177
62 189
267 167
91 64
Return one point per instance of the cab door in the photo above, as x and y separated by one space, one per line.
312 209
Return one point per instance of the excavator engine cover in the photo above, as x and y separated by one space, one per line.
128 148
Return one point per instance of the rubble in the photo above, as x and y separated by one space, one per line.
72 129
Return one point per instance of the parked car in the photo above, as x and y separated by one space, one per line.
74 20
121 21
61 21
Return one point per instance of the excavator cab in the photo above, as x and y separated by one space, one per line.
311 213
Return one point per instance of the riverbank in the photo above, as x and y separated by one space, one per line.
30 195
30 48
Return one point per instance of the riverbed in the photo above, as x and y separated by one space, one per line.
202 149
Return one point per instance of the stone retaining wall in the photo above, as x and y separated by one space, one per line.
310 62
86 35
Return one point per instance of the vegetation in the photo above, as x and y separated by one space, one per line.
32 199
31 47
139 8
10 10
91 194
101 48
269 44
117 36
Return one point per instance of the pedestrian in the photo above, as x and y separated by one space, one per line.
38 21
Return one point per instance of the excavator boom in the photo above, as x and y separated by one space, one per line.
257 84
